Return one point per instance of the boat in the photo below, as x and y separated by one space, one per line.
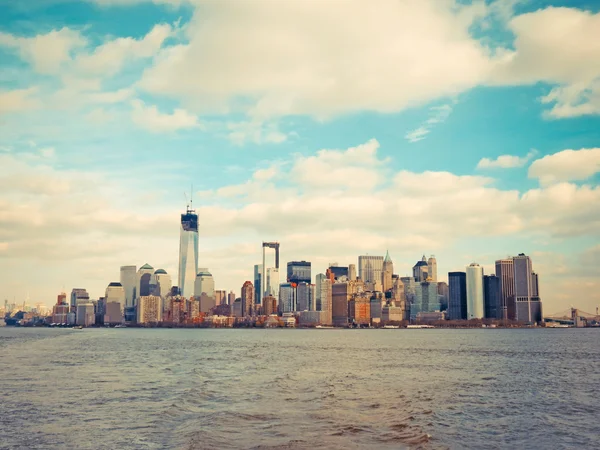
420 326
120 326
389 327
323 326
78 327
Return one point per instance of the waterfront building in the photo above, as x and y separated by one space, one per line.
247 298
370 270
188 252
204 284
352 272
305 297
59 313
149 309
391 313
78 295
113 313
221 296
128 280
359 308
230 298
491 297
269 305
144 274
443 295
115 293
378 301
160 283
475 301
505 271
410 289
310 318
258 294
432 268
341 294
420 270
287 298
85 315
527 306
299 272
388 272
426 298
236 309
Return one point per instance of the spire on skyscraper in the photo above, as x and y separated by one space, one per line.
387 256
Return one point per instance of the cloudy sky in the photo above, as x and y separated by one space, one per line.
468 130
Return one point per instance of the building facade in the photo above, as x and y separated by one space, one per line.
204 283
299 272
457 296
247 298
128 280
188 252
388 272
149 309
491 296
370 270
475 301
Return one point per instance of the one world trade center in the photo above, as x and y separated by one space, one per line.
188 252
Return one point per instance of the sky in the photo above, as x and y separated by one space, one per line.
465 130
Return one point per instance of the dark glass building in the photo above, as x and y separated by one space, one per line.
491 297
299 272
457 296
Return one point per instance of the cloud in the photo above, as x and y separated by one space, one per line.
18 100
299 57
151 119
47 53
506 161
567 165
255 131
557 46
438 114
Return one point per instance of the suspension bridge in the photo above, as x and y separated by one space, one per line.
574 317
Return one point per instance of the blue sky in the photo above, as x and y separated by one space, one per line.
468 130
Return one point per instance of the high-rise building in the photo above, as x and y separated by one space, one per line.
475 309
258 286
457 296
359 308
230 298
335 272
78 295
85 314
370 270
443 295
305 297
426 299
149 309
420 270
188 252
341 294
113 314
221 297
323 297
160 283
247 298
287 297
204 283
272 282
129 282
299 272
506 272
528 307
388 272
398 295
432 268
269 305
115 293
144 275
491 297
352 272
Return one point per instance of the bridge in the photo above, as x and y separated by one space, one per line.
574 317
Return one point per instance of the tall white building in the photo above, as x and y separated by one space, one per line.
352 272
475 309
204 283
129 282
272 282
188 253
322 292
432 268
370 269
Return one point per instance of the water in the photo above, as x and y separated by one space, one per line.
218 389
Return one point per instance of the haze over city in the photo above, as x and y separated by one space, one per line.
468 131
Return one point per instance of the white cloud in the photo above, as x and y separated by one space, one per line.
321 59
438 114
567 165
46 52
18 100
151 119
506 161
256 132
557 46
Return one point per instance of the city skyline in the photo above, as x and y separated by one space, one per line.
332 147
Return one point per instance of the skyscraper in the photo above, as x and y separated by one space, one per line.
129 282
287 297
420 270
443 294
78 295
528 306
457 295
299 272
258 286
506 272
204 283
388 272
247 298
370 270
432 268
475 308
323 295
352 272
144 274
188 252
305 297
160 283
491 296
426 299
149 309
